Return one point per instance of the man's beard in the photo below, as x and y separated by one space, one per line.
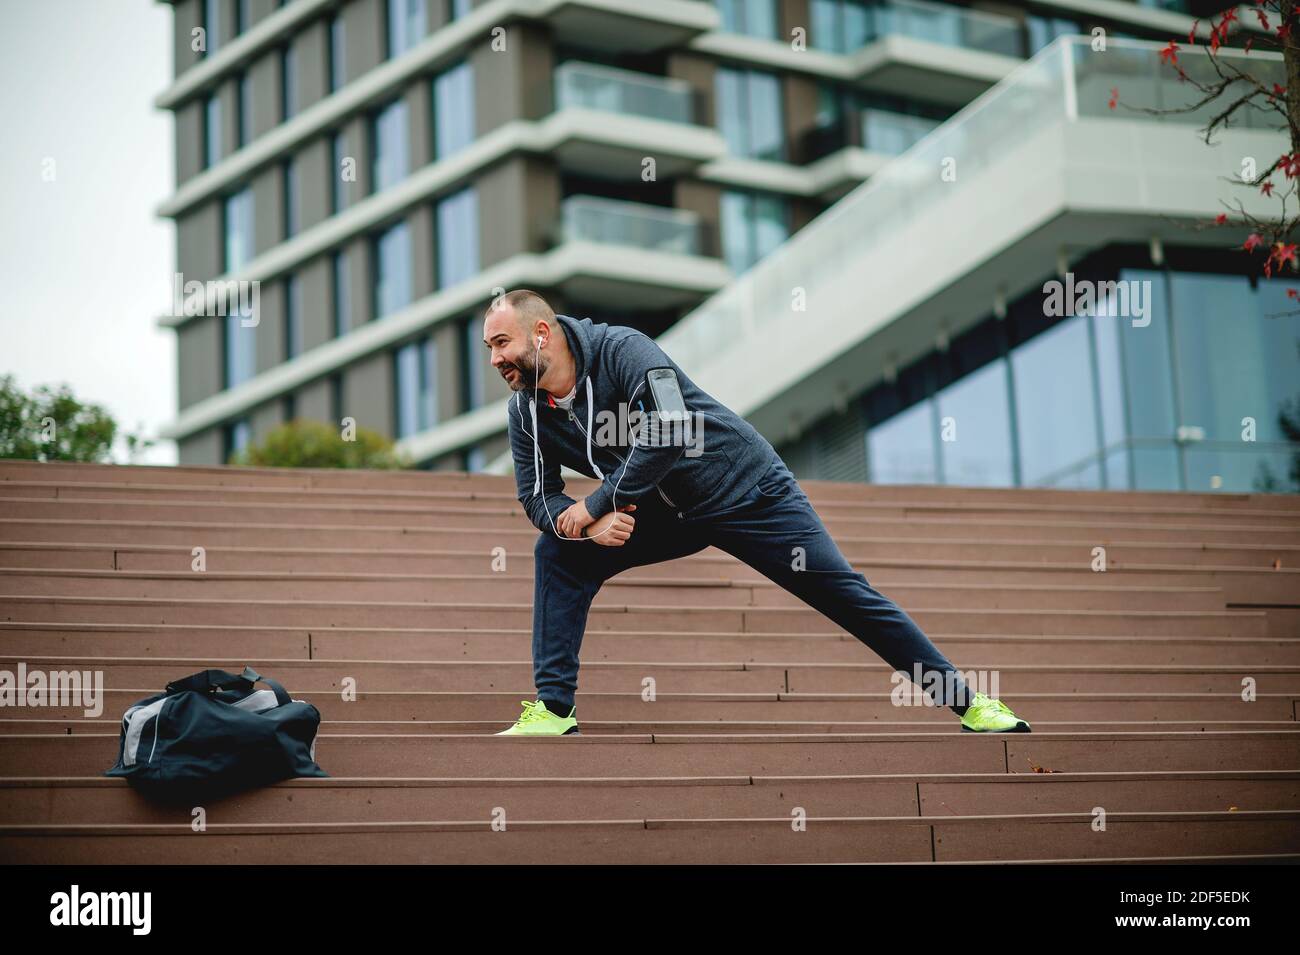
528 372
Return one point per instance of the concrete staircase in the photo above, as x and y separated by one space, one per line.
772 736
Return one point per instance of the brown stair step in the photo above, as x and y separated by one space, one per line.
34 722
333 478
828 507
483 519
330 676
696 754
503 707
864 552
18 638
496 616
1239 584
517 534
1096 594
657 840
108 801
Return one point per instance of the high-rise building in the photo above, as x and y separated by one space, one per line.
840 215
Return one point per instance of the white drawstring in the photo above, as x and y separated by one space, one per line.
590 403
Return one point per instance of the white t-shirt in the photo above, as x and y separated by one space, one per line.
567 401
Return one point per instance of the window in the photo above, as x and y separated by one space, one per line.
1055 415
457 240
245 118
978 449
236 436
211 131
336 398
338 55
292 317
342 293
415 367
453 111
240 350
901 449
338 188
288 82
389 152
750 17
458 8
405 25
475 459
243 16
474 355
211 26
749 113
392 270
1043 30
238 228
839 26
752 226
292 200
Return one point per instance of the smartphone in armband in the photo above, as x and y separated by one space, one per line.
667 394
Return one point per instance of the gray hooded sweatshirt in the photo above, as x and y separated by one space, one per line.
721 458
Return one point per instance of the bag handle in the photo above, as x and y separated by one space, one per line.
210 681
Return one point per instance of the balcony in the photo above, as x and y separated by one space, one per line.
612 119
634 255
898 53
945 24
627 26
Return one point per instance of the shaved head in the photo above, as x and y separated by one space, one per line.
528 307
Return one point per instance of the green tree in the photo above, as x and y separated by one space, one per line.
50 424
315 444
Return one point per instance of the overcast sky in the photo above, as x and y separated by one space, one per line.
85 265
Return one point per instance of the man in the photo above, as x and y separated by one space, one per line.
658 500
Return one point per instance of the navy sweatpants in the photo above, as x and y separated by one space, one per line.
763 530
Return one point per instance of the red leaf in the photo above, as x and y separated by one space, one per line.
1266 187
1282 254
1221 218
1114 97
1290 293
1169 54
1252 240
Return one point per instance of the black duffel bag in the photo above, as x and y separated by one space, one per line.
212 734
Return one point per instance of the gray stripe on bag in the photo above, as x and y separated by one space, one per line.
136 718
258 701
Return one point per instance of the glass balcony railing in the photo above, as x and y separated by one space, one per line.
942 23
611 90
879 130
615 222
894 133
1064 82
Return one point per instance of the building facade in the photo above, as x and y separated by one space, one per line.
381 167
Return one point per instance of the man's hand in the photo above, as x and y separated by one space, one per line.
573 519
614 528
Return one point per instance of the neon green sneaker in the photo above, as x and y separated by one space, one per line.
537 720
987 715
